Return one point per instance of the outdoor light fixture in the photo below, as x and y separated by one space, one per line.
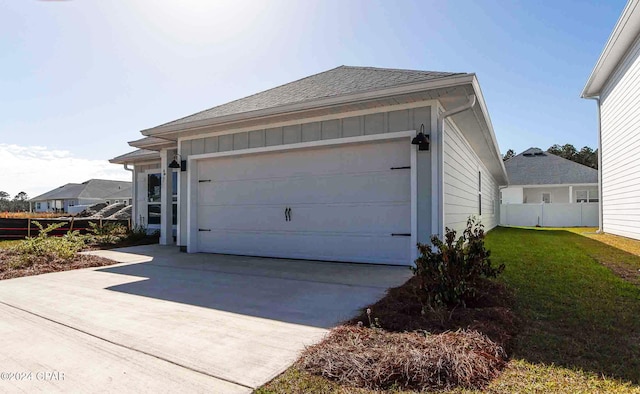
174 163
422 139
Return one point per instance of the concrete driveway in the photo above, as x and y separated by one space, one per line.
164 321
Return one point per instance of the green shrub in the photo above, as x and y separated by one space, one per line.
109 233
26 252
449 272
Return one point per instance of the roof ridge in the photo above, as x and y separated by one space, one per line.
400 69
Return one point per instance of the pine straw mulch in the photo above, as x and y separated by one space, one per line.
43 265
411 350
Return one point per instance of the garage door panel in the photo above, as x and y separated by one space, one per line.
388 186
337 218
337 160
330 247
346 203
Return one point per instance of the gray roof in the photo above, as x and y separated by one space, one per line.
136 155
91 189
339 81
536 167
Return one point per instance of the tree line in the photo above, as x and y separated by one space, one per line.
19 203
585 156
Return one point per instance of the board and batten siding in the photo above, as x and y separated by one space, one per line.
461 167
341 127
620 122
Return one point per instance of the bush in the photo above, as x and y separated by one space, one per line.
109 233
449 273
26 252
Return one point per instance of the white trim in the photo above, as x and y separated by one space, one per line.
414 202
192 186
304 145
551 185
299 121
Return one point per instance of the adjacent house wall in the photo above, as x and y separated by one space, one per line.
375 123
620 122
559 194
461 168
512 195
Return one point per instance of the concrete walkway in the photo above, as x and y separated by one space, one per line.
164 321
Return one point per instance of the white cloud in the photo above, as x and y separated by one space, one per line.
37 169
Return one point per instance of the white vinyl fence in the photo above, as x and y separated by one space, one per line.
550 215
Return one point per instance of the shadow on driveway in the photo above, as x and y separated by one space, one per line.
312 293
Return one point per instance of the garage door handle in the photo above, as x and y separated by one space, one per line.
204 229
287 214
400 234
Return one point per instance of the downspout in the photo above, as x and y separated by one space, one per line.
600 216
440 226
134 194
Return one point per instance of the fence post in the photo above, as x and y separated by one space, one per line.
29 228
129 223
71 225
100 222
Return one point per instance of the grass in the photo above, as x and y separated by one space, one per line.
26 215
579 311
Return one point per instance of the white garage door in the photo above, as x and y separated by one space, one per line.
346 203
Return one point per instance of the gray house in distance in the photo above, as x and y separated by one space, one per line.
72 197
548 190
354 164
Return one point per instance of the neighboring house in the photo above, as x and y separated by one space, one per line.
537 177
324 168
615 84
74 196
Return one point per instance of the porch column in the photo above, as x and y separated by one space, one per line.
571 194
166 226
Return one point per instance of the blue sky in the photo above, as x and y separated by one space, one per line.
80 78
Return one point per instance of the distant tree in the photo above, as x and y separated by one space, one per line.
4 201
20 202
585 156
510 153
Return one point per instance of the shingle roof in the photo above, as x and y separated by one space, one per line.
536 167
335 82
91 189
136 155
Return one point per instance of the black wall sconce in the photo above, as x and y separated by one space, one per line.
422 139
182 165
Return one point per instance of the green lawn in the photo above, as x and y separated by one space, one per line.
579 321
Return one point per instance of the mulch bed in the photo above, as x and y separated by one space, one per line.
45 265
405 348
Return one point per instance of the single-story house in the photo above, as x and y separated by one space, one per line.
548 190
353 164
615 85
74 196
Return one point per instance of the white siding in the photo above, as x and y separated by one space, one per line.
620 112
461 167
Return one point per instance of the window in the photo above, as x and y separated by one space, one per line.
153 187
154 195
479 193
587 196
153 213
37 205
546 198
